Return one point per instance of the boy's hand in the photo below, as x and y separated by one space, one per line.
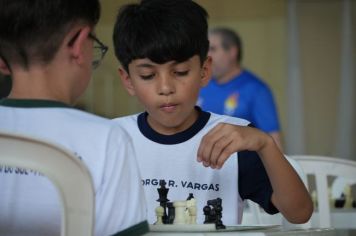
225 139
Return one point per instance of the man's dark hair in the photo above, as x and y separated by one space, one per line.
161 30
229 38
32 31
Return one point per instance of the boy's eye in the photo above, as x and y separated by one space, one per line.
181 73
147 77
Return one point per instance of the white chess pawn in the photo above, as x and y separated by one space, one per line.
159 214
192 210
179 209
193 215
186 214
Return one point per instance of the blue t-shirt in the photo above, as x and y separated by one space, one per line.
246 96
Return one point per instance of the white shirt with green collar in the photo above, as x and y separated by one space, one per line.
29 202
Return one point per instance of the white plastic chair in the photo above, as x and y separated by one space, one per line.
322 167
257 216
61 167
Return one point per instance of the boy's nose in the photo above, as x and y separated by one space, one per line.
166 86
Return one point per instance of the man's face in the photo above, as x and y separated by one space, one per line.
223 59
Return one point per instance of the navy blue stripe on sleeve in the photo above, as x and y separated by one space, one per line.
253 180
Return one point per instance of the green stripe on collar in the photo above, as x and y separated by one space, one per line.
135 230
32 103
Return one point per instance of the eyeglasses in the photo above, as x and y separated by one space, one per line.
99 51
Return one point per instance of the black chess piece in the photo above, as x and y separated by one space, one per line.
207 211
213 213
190 196
218 209
163 200
354 203
171 212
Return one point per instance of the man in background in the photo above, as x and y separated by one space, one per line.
235 91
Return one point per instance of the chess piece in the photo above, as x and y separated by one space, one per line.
218 208
171 212
186 214
159 214
190 196
179 209
207 211
213 213
192 210
163 192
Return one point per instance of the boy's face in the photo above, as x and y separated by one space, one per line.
168 91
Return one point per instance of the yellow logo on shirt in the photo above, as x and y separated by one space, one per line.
231 104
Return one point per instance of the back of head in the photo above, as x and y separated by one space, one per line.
229 38
161 30
32 31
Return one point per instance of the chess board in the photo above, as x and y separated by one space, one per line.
207 228
182 228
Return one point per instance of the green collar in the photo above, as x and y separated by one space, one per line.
135 230
32 103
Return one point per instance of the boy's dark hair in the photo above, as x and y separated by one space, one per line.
161 30
229 38
32 31
5 86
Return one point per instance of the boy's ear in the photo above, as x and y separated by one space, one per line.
206 72
4 69
76 40
126 81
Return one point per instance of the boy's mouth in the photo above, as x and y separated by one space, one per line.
168 107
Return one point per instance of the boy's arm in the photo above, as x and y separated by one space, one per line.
277 139
289 195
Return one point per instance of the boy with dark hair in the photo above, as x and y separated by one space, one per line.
48 47
162 46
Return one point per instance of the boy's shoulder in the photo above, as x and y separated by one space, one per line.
128 123
217 118
52 114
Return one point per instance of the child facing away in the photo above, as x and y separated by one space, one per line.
47 47
162 46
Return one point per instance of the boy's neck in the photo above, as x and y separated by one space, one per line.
171 130
38 84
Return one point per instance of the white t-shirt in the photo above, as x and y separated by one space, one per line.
173 159
29 203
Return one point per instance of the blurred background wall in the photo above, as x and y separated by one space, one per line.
323 122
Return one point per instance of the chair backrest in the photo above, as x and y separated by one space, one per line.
67 173
260 217
322 167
